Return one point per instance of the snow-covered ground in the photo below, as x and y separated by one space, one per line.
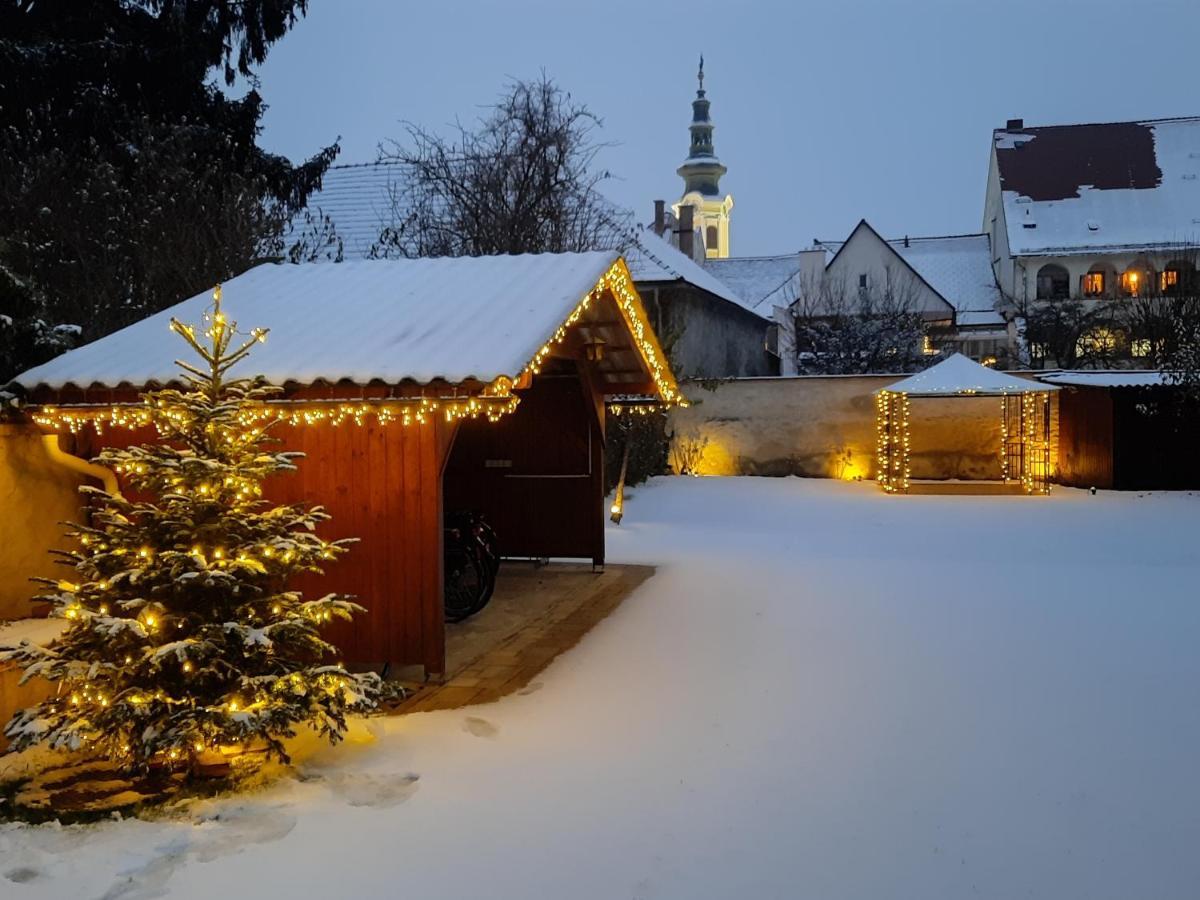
824 692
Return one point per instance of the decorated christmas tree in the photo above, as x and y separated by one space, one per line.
183 635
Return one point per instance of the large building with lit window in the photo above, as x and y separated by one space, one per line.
1093 211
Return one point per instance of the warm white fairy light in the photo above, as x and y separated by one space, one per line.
492 403
892 446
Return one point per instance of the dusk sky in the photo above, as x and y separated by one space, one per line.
826 112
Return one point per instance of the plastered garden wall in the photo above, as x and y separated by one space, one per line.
36 494
824 426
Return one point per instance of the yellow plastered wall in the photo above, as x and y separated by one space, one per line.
824 427
36 495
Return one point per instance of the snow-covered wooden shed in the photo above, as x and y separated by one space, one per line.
413 386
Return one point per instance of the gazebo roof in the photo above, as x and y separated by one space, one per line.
958 376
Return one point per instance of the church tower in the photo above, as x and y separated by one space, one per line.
701 173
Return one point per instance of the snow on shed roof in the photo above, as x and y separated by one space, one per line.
958 375
957 266
455 319
758 280
1101 187
653 259
1109 379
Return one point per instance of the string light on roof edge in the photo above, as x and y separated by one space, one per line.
496 401
620 285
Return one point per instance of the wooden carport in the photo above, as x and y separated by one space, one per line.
480 380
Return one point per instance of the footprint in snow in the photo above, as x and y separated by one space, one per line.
375 791
22 874
480 727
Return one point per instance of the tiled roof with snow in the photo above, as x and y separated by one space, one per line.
455 319
653 259
958 267
760 281
1102 187
358 200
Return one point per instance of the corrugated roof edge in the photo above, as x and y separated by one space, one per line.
331 378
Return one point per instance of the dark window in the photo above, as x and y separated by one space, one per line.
1053 283
710 238
862 281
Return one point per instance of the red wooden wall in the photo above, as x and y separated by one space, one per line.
382 485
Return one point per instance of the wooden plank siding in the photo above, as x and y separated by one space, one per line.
538 474
1085 441
382 485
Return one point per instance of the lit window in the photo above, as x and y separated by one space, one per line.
988 361
1098 340
927 346
1039 350
1139 348
1093 284
1133 282
1168 279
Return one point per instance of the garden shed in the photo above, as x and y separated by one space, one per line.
412 386
1125 430
1023 412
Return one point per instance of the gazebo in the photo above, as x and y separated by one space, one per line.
1024 427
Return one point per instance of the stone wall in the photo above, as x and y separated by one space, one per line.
824 427
36 494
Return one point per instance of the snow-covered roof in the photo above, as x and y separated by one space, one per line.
957 375
455 319
1100 187
958 267
759 280
1111 379
358 200
652 259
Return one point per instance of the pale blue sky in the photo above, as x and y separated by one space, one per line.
826 112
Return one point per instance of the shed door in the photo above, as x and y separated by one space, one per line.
537 475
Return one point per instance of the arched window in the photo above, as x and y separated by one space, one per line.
1177 277
710 239
1053 283
1137 280
1097 281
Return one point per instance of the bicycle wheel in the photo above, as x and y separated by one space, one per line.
464 582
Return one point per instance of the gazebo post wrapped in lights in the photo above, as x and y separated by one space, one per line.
1024 426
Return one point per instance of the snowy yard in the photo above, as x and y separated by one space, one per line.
824 692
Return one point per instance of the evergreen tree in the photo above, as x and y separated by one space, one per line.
128 178
182 632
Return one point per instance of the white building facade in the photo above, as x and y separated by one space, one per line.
1092 212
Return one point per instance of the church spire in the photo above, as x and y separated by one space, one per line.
701 171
